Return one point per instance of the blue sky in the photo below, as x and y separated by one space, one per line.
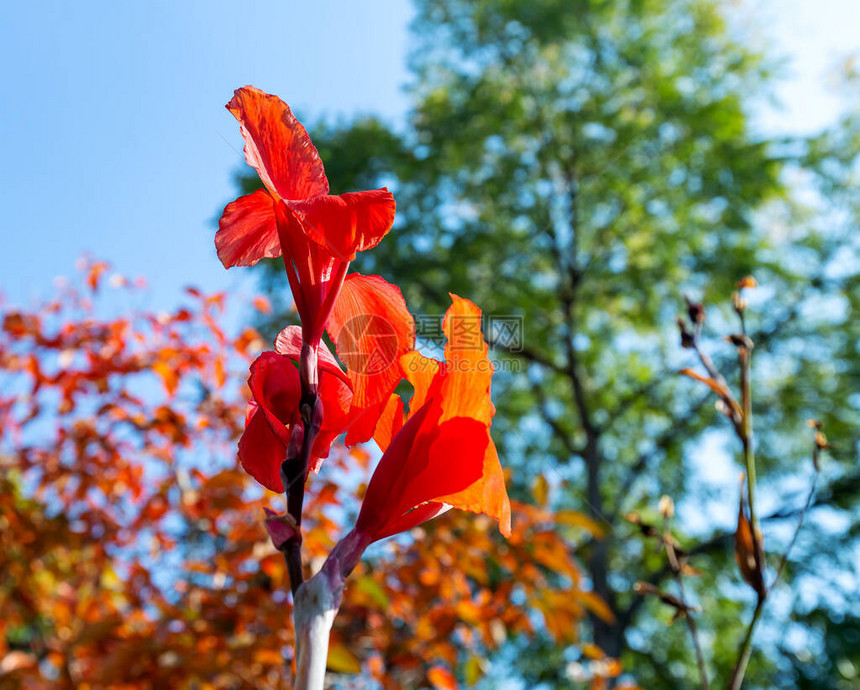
115 132
118 144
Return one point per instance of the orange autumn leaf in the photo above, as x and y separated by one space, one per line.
262 304
749 550
342 660
596 605
574 518
716 386
225 616
540 491
442 678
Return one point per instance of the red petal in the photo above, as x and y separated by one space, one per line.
276 388
455 462
321 449
348 223
413 518
380 503
262 452
277 145
372 329
247 231
336 396
423 462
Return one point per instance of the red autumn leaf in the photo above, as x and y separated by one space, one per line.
262 304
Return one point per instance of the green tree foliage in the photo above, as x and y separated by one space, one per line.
585 164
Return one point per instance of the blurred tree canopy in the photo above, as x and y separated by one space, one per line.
583 165
132 549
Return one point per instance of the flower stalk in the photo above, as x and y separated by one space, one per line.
295 468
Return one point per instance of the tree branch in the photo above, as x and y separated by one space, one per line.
526 353
562 434
636 469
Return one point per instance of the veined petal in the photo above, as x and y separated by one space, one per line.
347 223
277 145
247 231
455 462
372 329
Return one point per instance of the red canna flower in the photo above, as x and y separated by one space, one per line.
318 234
372 329
441 455
272 420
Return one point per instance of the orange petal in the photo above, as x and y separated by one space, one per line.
277 145
390 422
348 223
420 371
371 329
466 386
488 495
455 462
247 231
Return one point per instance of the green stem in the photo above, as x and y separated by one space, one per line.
746 648
747 434
758 553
